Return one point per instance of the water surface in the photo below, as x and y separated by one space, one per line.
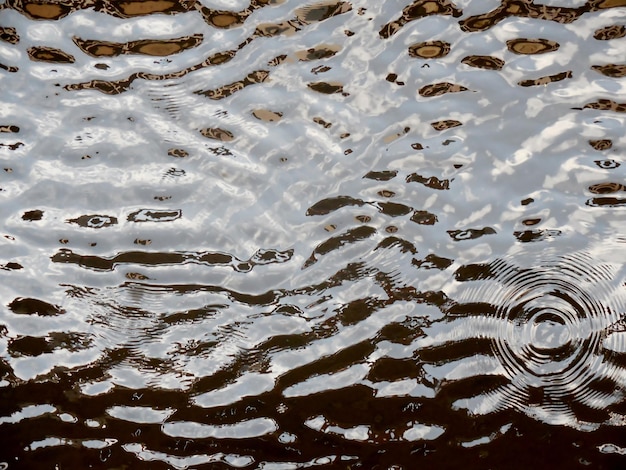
286 234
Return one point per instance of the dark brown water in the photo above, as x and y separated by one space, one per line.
291 234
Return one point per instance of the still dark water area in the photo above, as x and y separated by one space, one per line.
282 234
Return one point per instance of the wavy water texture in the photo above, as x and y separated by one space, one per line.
337 234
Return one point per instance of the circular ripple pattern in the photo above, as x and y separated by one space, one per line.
553 331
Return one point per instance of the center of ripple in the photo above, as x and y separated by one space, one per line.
549 332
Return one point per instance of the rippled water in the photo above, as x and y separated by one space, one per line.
288 234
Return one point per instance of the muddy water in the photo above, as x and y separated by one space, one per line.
286 234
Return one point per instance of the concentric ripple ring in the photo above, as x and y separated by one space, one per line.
549 327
